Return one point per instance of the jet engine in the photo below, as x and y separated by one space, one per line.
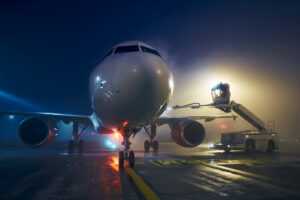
188 133
37 132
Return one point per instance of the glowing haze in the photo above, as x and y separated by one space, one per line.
269 96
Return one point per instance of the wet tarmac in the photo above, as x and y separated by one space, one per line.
173 173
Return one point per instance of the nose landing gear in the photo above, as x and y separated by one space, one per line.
152 143
126 154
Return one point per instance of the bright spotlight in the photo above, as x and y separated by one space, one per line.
213 82
11 116
116 135
97 79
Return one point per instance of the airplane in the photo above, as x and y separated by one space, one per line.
129 90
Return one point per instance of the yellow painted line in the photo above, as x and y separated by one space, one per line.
153 161
143 187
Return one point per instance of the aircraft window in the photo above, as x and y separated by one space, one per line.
108 53
125 49
148 50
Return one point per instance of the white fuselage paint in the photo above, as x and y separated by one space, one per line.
133 87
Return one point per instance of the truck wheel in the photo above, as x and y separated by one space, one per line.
271 146
250 146
227 150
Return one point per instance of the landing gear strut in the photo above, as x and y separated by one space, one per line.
152 143
74 142
126 154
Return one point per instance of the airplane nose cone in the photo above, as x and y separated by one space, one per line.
135 89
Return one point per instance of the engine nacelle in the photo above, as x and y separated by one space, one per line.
188 133
37 132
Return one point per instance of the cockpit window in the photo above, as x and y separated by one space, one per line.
108 53
148 50
125 49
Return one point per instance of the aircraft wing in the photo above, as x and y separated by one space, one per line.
81 119
167 120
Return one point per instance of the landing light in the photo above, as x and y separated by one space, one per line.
11 116
116 134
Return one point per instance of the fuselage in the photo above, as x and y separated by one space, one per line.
131 86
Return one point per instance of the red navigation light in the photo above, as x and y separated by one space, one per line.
223 126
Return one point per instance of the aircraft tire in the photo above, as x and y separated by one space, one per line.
71 146
121 159
155 146
147 146
131 159
80 146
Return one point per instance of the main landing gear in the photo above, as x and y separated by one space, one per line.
74 143
152 143
126 154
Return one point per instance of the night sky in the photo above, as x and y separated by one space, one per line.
49 48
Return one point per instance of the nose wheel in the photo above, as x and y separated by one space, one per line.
121 159
131 159
126 154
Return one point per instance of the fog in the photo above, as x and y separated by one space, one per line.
268 94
